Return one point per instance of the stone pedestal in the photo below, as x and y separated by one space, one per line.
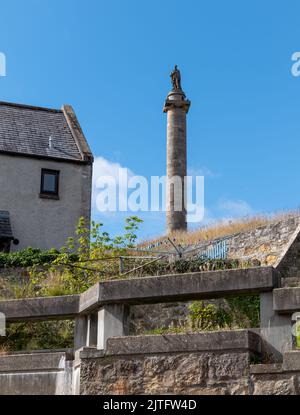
176 107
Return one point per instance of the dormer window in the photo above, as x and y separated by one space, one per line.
49 184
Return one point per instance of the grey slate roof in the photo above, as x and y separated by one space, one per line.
25 130
5 228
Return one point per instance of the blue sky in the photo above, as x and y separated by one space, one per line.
111 60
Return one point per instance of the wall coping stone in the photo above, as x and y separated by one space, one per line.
266 369
217 341
33 362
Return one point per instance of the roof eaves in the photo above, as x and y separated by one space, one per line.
44 157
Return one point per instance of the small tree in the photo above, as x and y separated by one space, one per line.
92 255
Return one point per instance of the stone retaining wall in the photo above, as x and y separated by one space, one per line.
215 363
271 380
265 244
277 379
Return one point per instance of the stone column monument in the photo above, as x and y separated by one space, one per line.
176 107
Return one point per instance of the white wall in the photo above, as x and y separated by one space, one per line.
43 223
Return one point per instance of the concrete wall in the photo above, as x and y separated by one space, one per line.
49 373
43 223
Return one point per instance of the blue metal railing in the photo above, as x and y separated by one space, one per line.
218 250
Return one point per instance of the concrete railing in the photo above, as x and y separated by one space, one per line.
101 317
102 312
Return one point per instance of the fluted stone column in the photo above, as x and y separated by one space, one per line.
176 107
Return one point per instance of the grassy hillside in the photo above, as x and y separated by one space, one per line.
222 228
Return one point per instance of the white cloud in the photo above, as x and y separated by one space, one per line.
114 221
235 208
105 168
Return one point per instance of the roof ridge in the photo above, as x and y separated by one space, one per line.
31 107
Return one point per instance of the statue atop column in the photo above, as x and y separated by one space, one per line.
176 79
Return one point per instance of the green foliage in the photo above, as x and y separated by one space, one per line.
237 312
208 317
189 265
232 313
27 258
38 336
90 256
86 245
169 330
297 336
245 310
93 255
96 258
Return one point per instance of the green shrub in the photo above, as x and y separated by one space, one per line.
208 317
38 335
245 310
27 258
238 312
186 265
70 271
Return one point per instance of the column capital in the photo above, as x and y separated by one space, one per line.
177 99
